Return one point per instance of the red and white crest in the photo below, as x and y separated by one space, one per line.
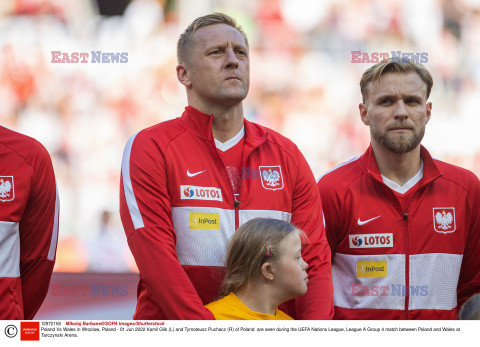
444 219
7 189
271 177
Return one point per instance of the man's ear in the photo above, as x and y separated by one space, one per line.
267 271
183 75
429 110
363 113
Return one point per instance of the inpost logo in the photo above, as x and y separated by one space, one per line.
375 268
206 221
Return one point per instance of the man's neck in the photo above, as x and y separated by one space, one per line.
227 120
398 167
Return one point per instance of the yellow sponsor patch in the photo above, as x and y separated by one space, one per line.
375 268
208 221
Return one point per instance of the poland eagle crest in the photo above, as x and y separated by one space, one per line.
7 191
444 219
271 177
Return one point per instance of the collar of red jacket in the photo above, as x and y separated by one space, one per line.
430 169
200 124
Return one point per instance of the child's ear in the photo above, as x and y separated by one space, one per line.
267 271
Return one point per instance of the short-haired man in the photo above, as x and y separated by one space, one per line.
403 227
189 183
29 210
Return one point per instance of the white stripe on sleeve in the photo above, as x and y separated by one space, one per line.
53 242
127 186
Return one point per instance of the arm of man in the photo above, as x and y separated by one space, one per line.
38 235
469 281
307 215
145 209
331 211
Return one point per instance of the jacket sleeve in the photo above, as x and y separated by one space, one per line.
38 235
469 280
307 215
145 209
331 212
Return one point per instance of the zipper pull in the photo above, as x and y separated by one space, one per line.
236 202
405 216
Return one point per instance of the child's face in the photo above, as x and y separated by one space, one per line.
291 274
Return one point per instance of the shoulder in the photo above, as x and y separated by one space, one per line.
458 175
342 175
153 141
282 315
275 138
160 134
23 147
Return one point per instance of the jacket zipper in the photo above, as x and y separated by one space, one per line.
236 202
407 266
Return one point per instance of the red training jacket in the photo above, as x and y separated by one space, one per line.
178 210
389 263
28 224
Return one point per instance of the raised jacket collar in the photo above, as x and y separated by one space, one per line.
200 124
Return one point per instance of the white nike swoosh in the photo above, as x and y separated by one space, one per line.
359 222
195 173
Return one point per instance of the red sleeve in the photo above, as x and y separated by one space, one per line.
469 281
331 211
38 235
145 210
317 303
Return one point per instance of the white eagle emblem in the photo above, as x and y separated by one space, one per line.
444 219
271 177
6 188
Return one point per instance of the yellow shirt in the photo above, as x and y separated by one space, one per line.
231 308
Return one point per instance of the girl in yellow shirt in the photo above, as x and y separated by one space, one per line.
264 267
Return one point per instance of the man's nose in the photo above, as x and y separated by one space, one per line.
400 110
232 61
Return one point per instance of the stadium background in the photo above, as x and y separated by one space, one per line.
303 84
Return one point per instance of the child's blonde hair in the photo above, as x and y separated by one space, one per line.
253 244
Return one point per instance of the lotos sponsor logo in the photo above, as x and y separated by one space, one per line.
206 221
371 240
374 268
200 193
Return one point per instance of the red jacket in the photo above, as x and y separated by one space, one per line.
28 224
178 211
389 263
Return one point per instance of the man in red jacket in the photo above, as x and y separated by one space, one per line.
403 227
28 224
189 183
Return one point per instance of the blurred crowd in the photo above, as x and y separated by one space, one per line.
303 84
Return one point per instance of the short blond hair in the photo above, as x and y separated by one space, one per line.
394 65
185 41
254 243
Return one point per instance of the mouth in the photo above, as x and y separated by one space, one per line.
233 78
400 129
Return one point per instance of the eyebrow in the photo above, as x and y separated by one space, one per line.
394 96
223 45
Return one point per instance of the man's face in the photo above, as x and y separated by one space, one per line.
218 67
396 111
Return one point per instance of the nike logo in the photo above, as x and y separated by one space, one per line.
195 173
359 222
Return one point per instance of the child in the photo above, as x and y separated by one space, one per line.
264 267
